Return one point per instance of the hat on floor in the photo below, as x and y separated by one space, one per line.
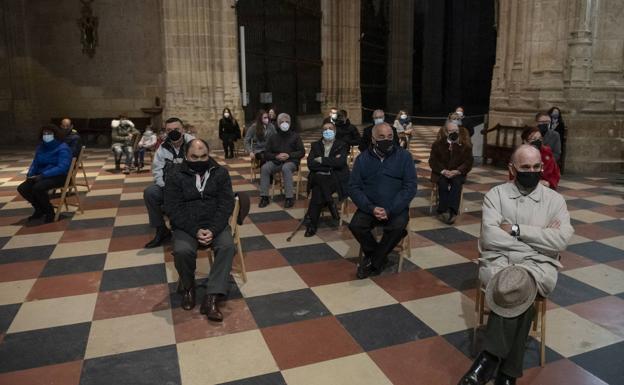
510 292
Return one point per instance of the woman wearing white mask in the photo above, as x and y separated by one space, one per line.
48 170
329 173
229 132
403 125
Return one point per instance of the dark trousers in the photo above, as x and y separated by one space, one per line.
139 156
36 193
153 196
506 338
449 193
362 225
228 147
323 186
185 257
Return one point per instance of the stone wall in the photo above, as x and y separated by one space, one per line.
566 53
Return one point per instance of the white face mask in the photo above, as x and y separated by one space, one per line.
403 116
461 114
334 116
226 115
284 126
47 137
378 120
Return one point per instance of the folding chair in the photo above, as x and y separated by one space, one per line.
238 265
69 188
255 168
84 173
405 252
278 181
434 199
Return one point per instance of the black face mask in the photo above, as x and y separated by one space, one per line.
528 179
384 146
453 136
537 143
199 166
543 127
174 135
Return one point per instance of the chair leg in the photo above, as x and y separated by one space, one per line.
543 333
243 271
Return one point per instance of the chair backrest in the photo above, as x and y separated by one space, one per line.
233 218
71 173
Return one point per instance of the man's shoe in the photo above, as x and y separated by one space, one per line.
503 379
333 210
188 296
310 231
378 270
451 218
481 371
210 307
126 170
288 203
36 215
444 217
264 202
117 166
162 234
49 217
364 269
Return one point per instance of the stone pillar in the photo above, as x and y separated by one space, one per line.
568 54
340 52
400 58
201 63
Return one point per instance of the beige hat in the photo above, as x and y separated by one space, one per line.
511 292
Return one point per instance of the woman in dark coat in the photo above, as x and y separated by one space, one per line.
329 173
557 123
450 161
229 132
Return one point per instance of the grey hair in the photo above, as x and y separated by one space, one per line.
283 116
376 127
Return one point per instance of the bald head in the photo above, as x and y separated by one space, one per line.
525 158
197 150
382 131
66 124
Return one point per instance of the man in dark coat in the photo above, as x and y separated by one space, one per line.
199 201
72 138
367 135
345 131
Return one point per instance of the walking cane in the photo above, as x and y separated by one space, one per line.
298 226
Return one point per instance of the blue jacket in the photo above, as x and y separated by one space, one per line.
389 183
51 159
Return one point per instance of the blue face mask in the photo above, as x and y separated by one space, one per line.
378 120
329 134
47 138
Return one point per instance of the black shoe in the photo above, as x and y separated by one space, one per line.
118 166
379 269
451 218
162 234
288 203
364 269
503 379
333 210
310 231
264 202
188 296
49 217
481 371
210 307
36 215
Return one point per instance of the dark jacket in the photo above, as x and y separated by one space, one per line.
459 158
188 209
335 163
51 159
288 142
367 138
390 183
73 140
229 131
348 133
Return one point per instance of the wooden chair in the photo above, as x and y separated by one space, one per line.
238 265
279 182
342 210
405 252
69 188
540 318
84 173
255 168
434 199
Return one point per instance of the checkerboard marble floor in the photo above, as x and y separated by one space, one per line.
81 301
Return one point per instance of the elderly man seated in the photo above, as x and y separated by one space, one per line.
199 201
382 185
524 227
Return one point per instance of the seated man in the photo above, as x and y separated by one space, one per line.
172 151
72 138
378 118
284 151
382 185
524 227
123 133
199 201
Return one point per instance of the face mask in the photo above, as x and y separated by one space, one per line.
226 115
457 122
199 166
555 114
543 127
329 134
148 133
174 135
528 179
334 116
265 120
403 116
47 138
537 143
378 120
384 146
453 136
284 126
461 114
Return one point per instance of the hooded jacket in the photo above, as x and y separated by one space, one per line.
190 210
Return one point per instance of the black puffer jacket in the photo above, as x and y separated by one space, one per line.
288 142
188 209
348 133
335 163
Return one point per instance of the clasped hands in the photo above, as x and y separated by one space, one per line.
449 173
204 237
282 156
380 214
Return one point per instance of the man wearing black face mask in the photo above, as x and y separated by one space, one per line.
525 226
550 137
199 201
382 185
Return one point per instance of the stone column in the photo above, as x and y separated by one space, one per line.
400 58
340 52
201 63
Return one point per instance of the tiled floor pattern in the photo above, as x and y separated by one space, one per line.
81 302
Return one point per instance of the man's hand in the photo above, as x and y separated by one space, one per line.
204 237
380 214
35 178
318 159
555 224
453 174
545 182
445 173
506 227
282 156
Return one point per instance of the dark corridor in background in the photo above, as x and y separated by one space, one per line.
454 54
283 54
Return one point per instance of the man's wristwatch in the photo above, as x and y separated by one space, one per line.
515 230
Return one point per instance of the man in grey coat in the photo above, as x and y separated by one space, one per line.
524 228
